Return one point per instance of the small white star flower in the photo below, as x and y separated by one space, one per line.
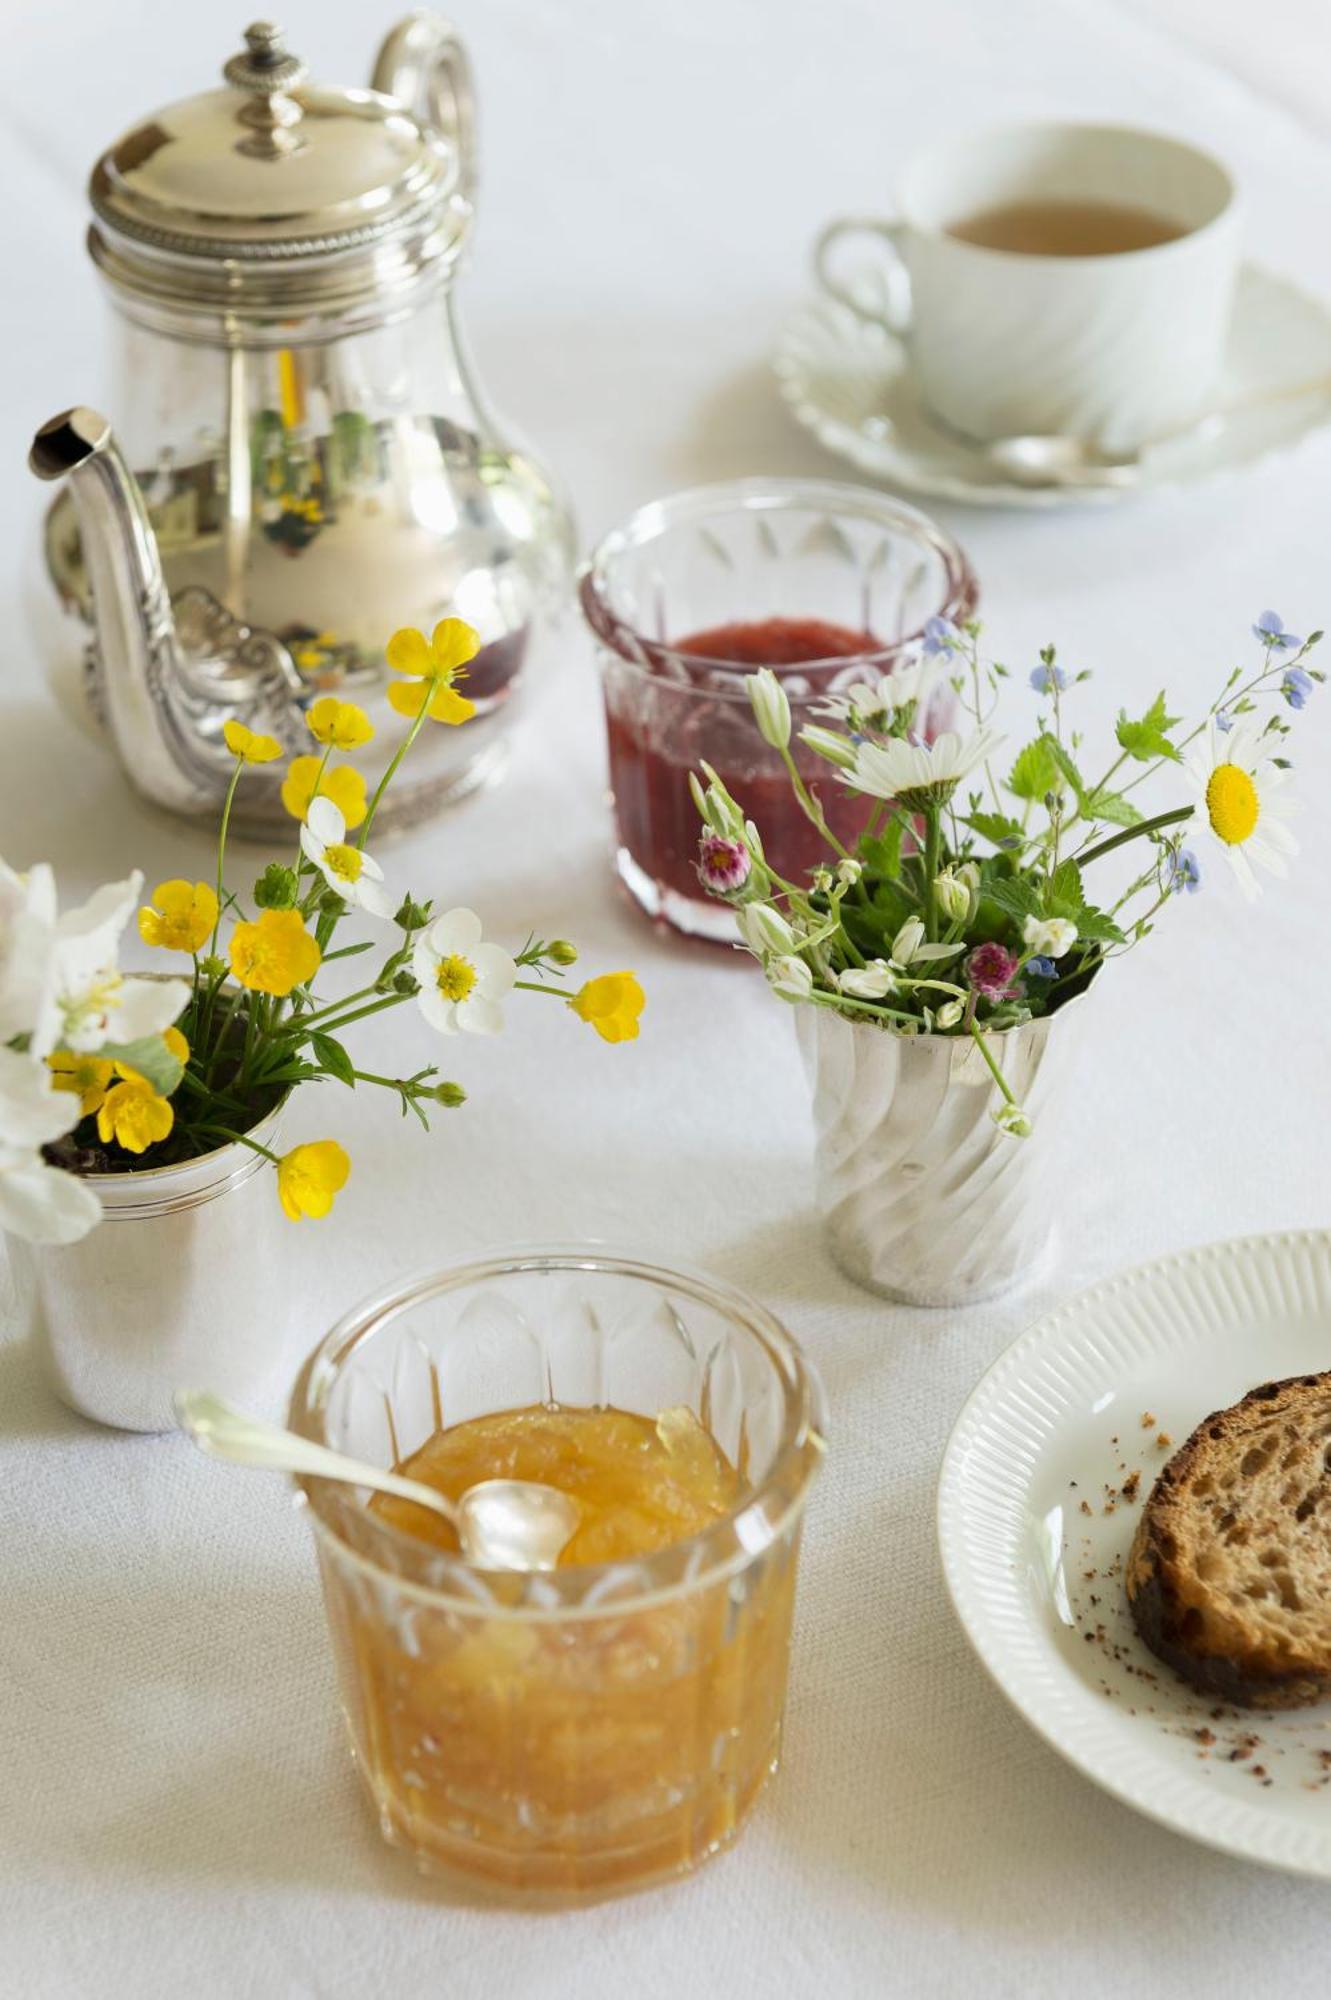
462 979
357 878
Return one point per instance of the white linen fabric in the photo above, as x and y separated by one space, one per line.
178 1808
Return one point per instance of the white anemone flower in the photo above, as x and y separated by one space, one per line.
353 874
32 1110
82 1000
27 946
43 1204
462 980
919 775
1242 802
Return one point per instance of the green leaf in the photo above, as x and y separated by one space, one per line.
882 853
1094 927
1066 766
996 827
348 951
151 1058
1064 895
1148 738
1035 771
1015 895
1111 807
331 1055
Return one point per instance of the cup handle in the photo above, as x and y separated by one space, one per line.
878 290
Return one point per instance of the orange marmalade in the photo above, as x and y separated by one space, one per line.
572 1749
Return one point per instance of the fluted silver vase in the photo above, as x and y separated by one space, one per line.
923 1198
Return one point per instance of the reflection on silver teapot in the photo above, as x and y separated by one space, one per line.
313 464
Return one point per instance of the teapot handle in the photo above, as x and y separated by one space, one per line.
423 63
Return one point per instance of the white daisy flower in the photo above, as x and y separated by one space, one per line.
462 980
1242 802
918 775
909 686
352 873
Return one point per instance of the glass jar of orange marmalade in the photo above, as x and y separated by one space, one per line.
609 1723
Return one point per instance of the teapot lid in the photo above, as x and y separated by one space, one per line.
273 169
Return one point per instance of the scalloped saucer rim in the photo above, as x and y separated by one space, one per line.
849 381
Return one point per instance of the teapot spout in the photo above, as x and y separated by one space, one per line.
136 646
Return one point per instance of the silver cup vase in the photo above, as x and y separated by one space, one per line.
923 1198
183 1284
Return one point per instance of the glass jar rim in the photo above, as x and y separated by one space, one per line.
433 1575
647 655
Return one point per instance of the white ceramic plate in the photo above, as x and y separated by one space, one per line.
849 381
1054 1428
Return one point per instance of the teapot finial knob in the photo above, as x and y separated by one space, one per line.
267 71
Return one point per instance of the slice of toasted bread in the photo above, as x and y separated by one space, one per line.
1229 1577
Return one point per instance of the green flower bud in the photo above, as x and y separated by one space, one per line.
331 904
412 916
561 952
771 707
277 888
451 1094
406 982
213 967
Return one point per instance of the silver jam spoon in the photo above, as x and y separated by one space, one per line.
501 1523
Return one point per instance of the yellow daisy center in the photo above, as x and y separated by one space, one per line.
1232 804
345 861
456 977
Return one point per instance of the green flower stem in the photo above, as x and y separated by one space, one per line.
535 986
328 1027
933 834
221 849
1174 817
844 1001
218 1042
317 1019
240 1139
809 805
981 1042
391 772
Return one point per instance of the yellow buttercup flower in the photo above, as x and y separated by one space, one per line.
309 1177
86 1076
340 723
434 663
177 1044
250 749
181 916
612 1004
133 1114
274 954
343 785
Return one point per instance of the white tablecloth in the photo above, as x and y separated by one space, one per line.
178 1811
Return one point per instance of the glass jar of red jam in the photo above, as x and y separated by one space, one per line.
830 585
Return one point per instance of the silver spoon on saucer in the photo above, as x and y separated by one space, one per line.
501 1523
1054 460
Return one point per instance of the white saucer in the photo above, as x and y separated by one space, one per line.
1036 1580
849 381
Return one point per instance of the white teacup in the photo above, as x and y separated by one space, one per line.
1115 348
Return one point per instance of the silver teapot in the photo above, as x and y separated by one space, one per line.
304 461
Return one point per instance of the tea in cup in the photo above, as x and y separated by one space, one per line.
1062 279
